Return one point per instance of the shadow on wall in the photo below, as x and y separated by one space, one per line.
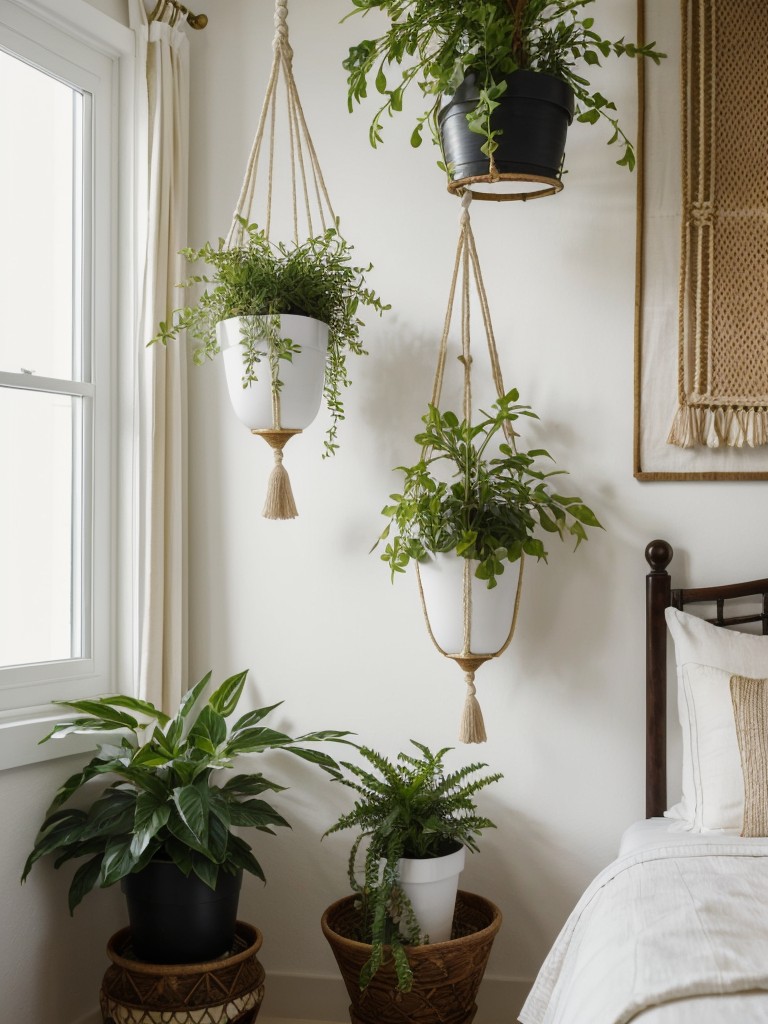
522 871
398 385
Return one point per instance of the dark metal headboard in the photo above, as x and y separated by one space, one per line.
659 595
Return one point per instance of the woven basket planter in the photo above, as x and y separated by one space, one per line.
446 975
224 991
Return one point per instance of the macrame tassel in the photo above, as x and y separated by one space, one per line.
279 503
472 728
685 432
733 429
713 435
756 434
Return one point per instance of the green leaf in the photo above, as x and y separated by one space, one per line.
190 697
150 816
103 714
253 717
206 871
111 813
256 814
210 727
192 807
250 785
584 515
239 855
118 861
84 879
225 698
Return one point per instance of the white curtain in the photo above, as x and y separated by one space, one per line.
162 151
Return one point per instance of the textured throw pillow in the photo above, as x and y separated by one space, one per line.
750 714
707 656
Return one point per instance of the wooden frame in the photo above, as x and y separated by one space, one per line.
660 596
653 460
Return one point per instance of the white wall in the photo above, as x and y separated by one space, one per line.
313 614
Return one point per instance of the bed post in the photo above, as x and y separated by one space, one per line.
658 554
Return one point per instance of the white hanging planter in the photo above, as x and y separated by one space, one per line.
302 377
431 885
492 611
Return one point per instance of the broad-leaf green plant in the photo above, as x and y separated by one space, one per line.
473 493
409 807
436 43
262 279
168 797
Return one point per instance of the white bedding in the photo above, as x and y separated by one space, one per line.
673 932
652 833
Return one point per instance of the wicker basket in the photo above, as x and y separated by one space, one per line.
224 991
446 975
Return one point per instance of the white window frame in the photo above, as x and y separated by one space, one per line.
88 50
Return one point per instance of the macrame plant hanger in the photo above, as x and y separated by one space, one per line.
467 268
308 190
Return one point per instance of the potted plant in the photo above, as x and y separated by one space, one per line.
418 821
472 501
501 79
285 317
166 826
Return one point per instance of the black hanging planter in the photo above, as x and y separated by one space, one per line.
533 116
178 919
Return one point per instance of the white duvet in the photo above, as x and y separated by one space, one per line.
659 925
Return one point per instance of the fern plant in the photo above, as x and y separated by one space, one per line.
409 807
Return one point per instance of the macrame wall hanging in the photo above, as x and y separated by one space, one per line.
310 210
480 607
723 302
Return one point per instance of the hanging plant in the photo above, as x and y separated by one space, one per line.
258 281
284 315
471 52
494 504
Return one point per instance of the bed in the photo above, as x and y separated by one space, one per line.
675 930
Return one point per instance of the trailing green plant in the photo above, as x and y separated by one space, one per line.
163 802
436 43
260 278
493 504
409 807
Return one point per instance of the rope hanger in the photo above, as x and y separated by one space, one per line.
308 189
301 148
467 266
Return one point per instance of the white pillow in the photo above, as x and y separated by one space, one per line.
707 656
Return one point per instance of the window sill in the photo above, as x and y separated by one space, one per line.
21 732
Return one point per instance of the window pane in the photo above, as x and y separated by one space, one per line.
40 211
39 526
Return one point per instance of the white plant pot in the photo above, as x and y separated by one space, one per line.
431 885
302 378
442 582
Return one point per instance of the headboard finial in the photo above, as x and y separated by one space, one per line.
658 555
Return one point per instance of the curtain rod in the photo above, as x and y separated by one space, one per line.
198 21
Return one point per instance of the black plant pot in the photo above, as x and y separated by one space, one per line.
177 919
533 117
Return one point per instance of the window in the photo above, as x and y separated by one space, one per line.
60 118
